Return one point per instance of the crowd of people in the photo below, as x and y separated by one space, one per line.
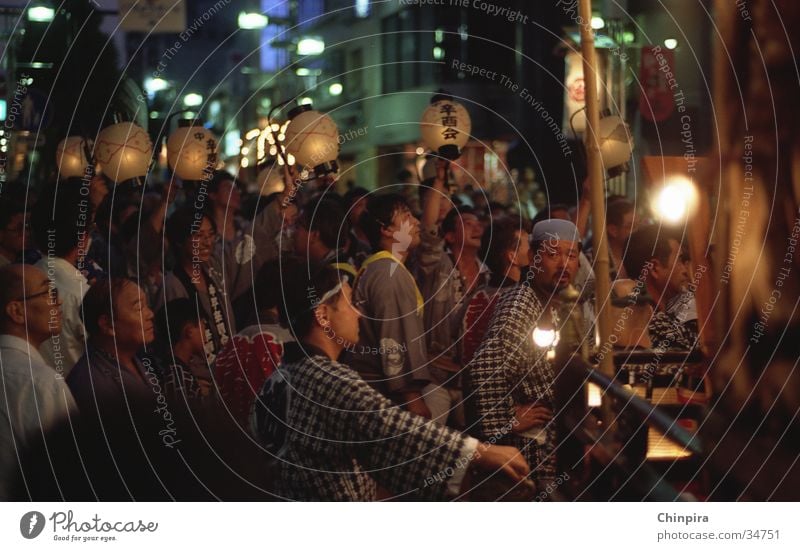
198 341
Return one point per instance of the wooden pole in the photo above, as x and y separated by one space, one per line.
594 167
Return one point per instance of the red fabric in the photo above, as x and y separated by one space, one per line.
241 369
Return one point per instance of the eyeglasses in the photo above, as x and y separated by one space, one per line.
51 292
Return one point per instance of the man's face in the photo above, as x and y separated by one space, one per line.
200 243
133 319
522 256
467 233
621 233
555 264
228 195
672 278
405 230
344 317
43 307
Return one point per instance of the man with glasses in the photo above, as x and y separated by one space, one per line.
33 397
61 222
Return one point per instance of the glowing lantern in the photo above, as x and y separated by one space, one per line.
312 139
125 151
71 157
445 126
192 150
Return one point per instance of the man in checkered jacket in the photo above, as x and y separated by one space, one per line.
334 437
509 383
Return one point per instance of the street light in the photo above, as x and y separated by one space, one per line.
153 85
41 14
310 46
335 89
252 20
192 100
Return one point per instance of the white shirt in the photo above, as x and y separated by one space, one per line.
33 399
63 351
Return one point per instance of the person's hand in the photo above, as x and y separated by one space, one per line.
531 415
489 457
415 404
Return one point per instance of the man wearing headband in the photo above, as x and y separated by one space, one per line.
333 436
509 380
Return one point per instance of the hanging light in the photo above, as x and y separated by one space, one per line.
192 150
676 200
313 140
71 156
445 126
125 151
616 144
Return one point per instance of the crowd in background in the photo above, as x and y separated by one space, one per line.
197 341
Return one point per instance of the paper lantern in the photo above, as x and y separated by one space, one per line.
616 143
125 151
313 140
192 151
71 157
445 127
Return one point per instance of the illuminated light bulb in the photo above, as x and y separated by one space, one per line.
594 397
676 200
545 338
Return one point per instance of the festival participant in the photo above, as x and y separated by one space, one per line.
334 436
510 380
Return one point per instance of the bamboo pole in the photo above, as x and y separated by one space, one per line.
596 189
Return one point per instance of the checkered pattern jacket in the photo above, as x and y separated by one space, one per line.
508 370
337 437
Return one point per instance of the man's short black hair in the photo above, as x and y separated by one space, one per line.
327 217
501 237
379 214
219 177
62 217
453 218
182 223
617 209
302 293
173 318
644 245
99 301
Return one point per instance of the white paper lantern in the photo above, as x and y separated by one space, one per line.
313 139
445 127
125 151
71 157
192 151
616 143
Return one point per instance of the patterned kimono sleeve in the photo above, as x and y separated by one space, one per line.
490 384
401 451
